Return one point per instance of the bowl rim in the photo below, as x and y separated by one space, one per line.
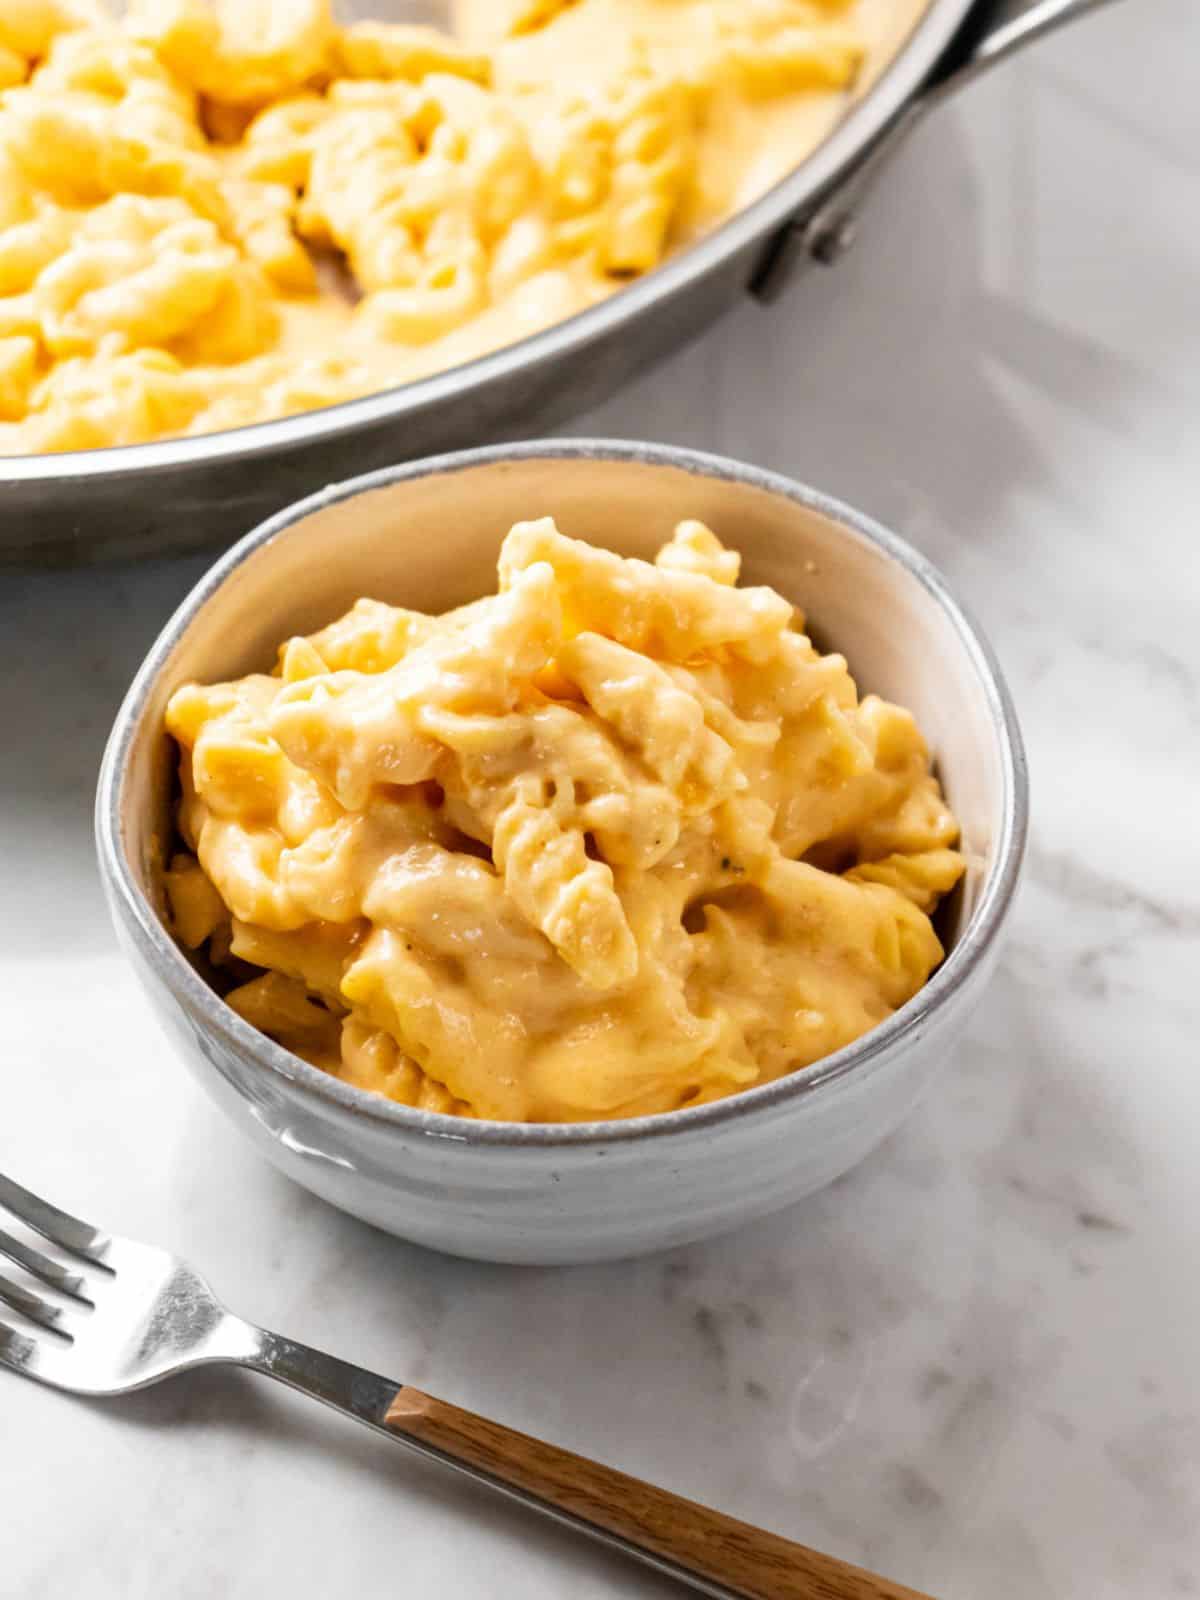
186 985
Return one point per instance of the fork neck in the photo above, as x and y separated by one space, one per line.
347 1388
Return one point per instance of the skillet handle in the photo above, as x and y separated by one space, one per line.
992 32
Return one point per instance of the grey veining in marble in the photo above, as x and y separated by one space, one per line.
971 1363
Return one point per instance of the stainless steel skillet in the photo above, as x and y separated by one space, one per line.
184 494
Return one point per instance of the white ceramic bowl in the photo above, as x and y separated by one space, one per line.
426 535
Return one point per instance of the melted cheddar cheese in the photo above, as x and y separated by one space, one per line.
215 212
615 840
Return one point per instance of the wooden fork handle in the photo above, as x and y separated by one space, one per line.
715 1553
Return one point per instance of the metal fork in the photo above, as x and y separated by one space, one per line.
122 1315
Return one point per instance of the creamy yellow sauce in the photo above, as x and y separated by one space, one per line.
615 840
216 214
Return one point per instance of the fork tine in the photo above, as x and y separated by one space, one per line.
32 1306
16 1350
65 1231
56 1277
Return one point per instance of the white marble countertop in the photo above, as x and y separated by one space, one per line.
974 1362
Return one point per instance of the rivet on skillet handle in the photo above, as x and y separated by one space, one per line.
994 29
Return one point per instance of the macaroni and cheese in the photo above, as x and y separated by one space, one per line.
216 213
615 840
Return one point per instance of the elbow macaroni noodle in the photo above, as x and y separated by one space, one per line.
616 840
185 194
